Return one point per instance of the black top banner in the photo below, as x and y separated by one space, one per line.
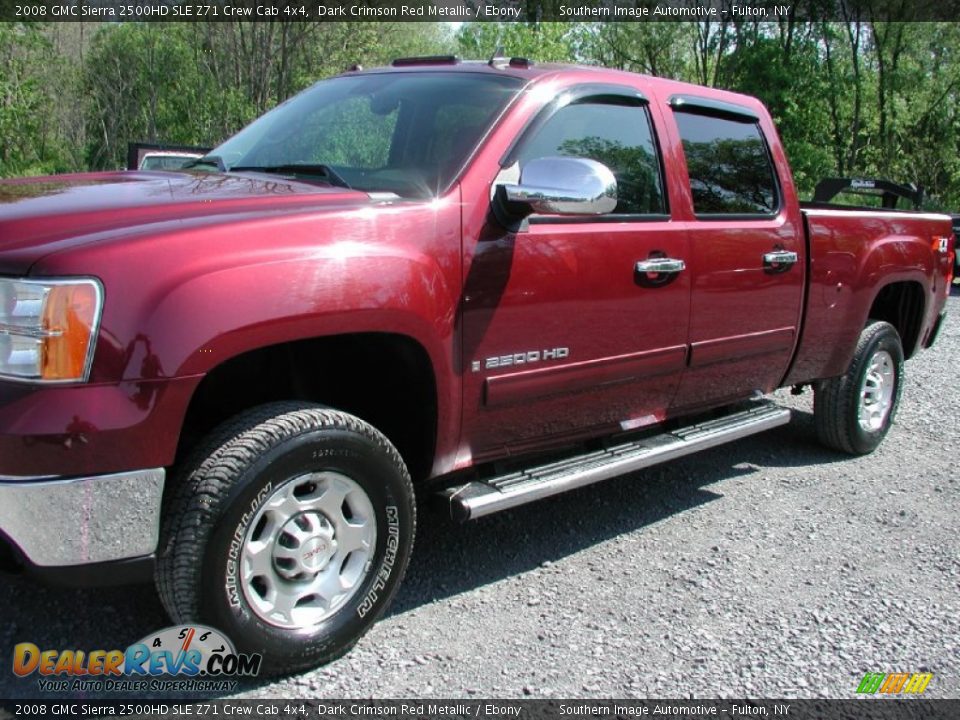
730 11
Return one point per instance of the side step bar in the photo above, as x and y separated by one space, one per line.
483 497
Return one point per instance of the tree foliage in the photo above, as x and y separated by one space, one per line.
32 126
851 95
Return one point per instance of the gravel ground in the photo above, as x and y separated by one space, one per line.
767 568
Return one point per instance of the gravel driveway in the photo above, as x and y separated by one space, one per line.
768 568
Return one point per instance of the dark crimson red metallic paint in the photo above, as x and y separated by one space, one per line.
199 268
853 256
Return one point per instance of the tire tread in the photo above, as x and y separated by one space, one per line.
835 399
206 478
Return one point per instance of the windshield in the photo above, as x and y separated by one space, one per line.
405 133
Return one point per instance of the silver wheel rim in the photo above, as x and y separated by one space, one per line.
876 393
308 550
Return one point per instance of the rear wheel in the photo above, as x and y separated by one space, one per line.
853 412
290 531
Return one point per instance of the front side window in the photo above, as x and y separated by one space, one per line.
619 136
406 133
731 172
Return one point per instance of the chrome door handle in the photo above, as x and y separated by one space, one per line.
660 265
779 258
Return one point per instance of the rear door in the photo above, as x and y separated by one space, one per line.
562 338
746 255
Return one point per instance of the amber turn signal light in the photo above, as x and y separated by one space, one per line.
69 317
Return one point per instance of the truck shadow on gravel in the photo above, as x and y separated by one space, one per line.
449 559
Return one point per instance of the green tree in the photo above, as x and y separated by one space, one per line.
864 93
542 42
661 49
198 83
30 83
782 70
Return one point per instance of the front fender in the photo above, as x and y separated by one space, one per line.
250 307
181 300
179 304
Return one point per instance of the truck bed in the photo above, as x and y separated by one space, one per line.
853 253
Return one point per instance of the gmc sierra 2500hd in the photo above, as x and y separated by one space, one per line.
490 282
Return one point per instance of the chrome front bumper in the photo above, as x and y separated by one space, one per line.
58 522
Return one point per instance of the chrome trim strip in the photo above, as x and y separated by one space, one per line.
28 332
476 499
77 521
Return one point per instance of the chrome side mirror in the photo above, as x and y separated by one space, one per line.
562 186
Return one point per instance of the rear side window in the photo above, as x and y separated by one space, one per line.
619 136
731 172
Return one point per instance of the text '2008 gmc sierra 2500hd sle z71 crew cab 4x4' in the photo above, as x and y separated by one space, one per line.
490 282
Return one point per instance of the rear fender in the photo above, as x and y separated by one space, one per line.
847 273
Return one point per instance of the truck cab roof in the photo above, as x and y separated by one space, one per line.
545 72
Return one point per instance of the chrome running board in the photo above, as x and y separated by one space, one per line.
483 497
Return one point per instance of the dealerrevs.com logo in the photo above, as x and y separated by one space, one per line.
182 658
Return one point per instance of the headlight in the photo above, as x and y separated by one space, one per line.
48 328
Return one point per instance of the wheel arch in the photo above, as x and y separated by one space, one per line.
385 379
903 305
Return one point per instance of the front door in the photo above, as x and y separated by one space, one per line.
562 337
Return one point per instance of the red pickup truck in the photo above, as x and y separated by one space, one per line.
484 282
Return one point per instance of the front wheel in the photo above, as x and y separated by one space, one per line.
853 412
290 531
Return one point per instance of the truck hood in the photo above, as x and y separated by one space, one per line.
43 215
